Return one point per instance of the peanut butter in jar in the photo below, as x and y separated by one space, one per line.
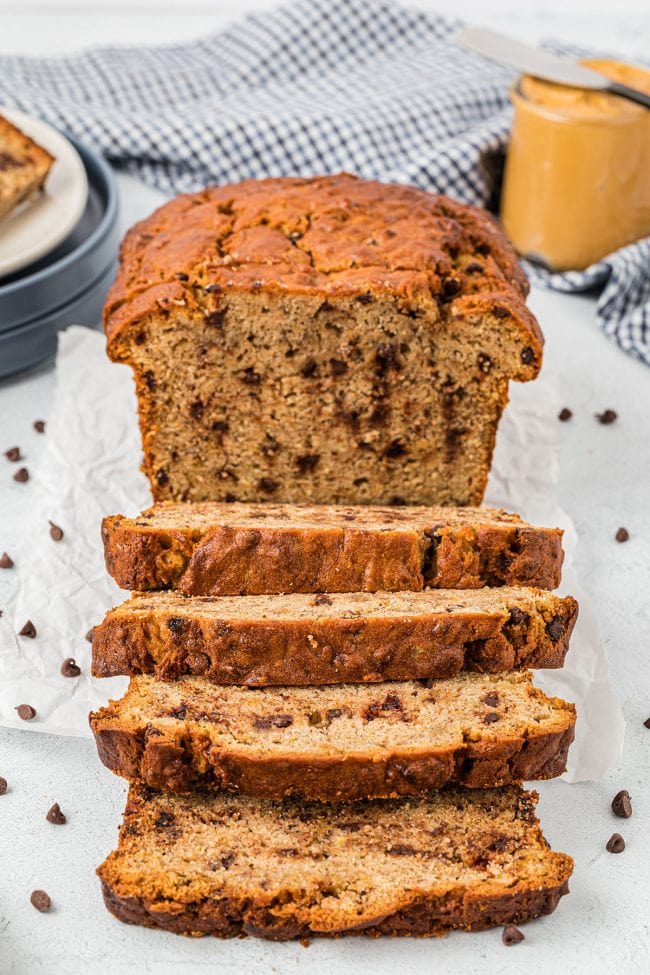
577 178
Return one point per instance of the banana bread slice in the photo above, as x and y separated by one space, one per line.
218 549
334 638
224 866
24 166
327 340
340 742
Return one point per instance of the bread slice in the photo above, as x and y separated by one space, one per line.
320 340
217 549
324 639
24 166
224 866
341 742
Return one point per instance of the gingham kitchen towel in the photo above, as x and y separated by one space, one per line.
314 86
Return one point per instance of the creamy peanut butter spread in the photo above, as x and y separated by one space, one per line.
576 184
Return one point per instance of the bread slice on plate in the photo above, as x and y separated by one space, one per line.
341 742
224 866
24 166
218 549
334 638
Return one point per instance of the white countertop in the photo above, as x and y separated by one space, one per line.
604 483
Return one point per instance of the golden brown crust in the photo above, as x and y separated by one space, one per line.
229 559
426 917
328 236
171 636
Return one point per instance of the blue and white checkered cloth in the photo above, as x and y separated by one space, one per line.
314 86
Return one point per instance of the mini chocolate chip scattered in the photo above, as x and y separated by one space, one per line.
511 935
55 532
646 723
26 712
21 475
322 599
39 426
622 804
3 786
615 844
54 815
69 668
28 630
622 535
607 417
490 717
13 453
6 562
564 414
89 634
41 901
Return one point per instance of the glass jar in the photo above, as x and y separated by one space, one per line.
577 177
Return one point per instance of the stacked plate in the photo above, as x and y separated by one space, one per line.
57 253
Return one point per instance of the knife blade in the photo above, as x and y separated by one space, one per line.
533 61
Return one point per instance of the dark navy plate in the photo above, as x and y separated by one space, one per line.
67 286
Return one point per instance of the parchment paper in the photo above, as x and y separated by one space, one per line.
91 468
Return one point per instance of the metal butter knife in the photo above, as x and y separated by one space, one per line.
540 64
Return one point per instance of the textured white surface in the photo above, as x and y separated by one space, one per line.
603 926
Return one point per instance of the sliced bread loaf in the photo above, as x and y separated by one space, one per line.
341 742
216 549
227 867
323 639
24 166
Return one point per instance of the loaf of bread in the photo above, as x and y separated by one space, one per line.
320 340
24 166
224 866
219 549
340 742
333 638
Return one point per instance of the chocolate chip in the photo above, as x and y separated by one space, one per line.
39 426
89 634
21 475
527 356
615 844
55 532
182 277
511 935
622 535
26 712
622 804
211 289
315 718
197 409
251 377
309 368
396 448
474 268
555 629
150 380
165 819
322 599
41 901
490 718
338 367
451 287
333 713
162 477
607 417
175 624
13 454
6 562
54 815
268 485
3 786
365 299
180 712
307 462
517 616
215 318
28 630
499 312
69 668
646 723
491 699
484 362
263 723
564 414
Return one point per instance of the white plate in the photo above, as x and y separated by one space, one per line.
38 225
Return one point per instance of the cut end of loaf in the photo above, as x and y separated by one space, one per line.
340 338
